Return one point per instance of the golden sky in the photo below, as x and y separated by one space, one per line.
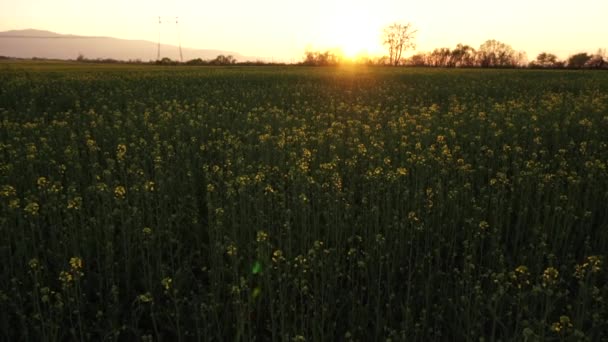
283 29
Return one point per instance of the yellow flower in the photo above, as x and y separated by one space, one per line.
34 264
101 187
150 186
556 327
231 250
121 151
401 171
277 256
522 270
92 145
167 282
65 277
361 149
8 191
42 182
259 177
120 192
32 208
145 298
14 203
76 263
520 276
412 216
483 225
261 236
306 153
75 203
593 264
268 189
550 276
563 324
303 166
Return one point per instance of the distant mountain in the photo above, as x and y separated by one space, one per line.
44 44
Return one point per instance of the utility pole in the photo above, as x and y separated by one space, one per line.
158 46
179 40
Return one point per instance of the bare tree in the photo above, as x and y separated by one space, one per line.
440 57
597 61
398 38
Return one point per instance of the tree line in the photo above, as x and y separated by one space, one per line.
494 54
491 54
398 38
219 60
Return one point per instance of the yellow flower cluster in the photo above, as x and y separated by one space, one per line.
32 208
593 264
167 282
149 186
231 250
8 191
550 276
520 276
66 278
261 236
76 265
121 151
120 192
145 298
483 225
562 325
42 182
74 273
277 256
75 203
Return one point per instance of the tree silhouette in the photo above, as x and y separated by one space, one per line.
493 54
317 58
398 38
440 57
598 61
545 60
578 60
463 56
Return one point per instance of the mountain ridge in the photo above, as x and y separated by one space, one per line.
31 43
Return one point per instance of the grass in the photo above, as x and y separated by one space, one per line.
293 203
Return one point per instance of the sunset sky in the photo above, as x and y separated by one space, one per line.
283 29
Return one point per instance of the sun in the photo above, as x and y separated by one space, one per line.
355 33
354 44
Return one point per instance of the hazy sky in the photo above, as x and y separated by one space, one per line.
283 29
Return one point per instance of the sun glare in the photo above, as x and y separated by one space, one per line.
354 33
354 44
